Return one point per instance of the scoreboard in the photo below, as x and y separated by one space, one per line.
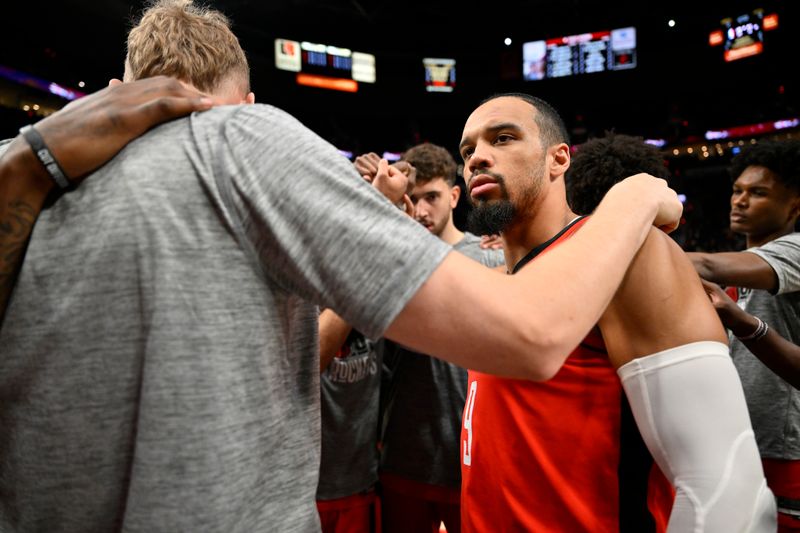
325 66
743 36
579 54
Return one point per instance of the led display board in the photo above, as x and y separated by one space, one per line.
743 36
579 54
324 66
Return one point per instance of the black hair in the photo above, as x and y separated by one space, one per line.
551 127
781 157
600 163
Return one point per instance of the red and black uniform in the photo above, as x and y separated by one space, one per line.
561 455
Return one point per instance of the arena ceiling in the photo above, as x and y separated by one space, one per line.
679 78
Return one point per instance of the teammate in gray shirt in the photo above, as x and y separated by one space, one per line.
420 461
350 366
160 351
765 326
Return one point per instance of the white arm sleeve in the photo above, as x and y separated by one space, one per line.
690 408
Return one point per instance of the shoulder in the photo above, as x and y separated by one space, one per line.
469 245
782 244
261 134
659 305
658 246
660 267
781 252
783 257
469 239
231 117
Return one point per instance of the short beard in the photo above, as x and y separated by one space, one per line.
491 218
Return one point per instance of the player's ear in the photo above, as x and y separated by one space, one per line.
559 159
795 212
455 194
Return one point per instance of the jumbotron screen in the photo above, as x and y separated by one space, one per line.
743 36
579 54
325 66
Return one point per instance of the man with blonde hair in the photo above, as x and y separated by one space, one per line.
160 351
193 44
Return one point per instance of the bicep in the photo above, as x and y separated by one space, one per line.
660 305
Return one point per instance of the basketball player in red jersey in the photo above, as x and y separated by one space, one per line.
562 455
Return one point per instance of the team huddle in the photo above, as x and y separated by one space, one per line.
228 326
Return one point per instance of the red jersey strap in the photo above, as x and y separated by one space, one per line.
564 234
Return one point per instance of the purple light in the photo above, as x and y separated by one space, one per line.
39 83
392 156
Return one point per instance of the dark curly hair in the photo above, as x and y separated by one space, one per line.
600 163
431 161
781 157
552 129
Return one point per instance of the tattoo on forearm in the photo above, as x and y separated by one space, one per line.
16 224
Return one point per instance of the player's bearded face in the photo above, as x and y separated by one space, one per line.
504 164
495 215
490 217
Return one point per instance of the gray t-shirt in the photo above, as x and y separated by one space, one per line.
350 390
160 351
427 395
774 405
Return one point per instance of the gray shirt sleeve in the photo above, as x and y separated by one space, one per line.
783 255
316 227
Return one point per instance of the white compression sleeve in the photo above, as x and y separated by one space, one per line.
689 405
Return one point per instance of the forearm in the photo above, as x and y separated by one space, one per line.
777 353
333 332
735 269
703 264
24 185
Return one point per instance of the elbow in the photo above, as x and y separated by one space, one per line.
552 361
544 372
705 267
541 354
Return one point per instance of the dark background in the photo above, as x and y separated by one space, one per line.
680 88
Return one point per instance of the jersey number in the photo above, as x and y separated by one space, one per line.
473 390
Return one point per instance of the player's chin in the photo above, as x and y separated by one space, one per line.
739 226
481 199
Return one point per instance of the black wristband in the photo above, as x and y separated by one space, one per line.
44 155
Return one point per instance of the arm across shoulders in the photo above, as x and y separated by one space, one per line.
315 227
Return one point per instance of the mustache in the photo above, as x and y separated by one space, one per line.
497 177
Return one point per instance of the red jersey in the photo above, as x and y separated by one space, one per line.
562 455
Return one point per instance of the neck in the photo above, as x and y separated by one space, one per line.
761 240
529 232
450 234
